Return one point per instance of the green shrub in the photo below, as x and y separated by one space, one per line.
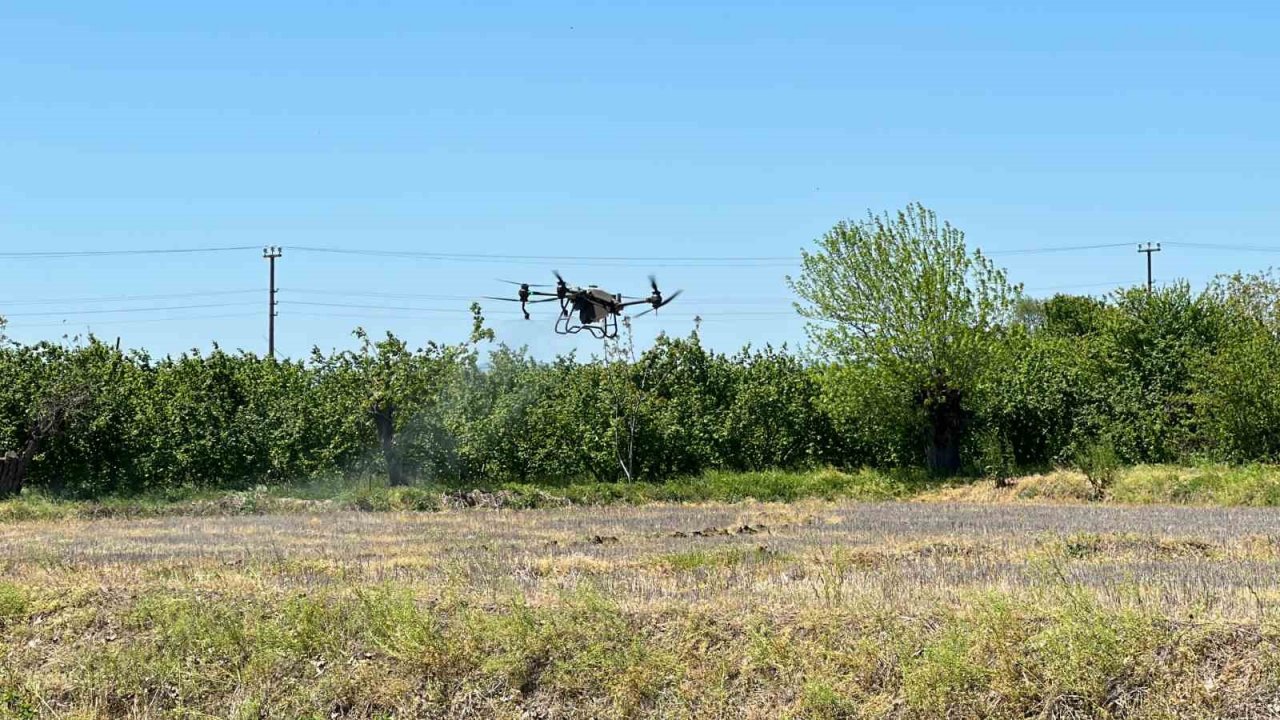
13 602
1167 376
1100 465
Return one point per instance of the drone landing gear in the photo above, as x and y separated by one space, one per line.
606 330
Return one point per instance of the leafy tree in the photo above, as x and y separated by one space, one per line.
1237 396
680 388
771 416
1237 386
393 393
1255 296
1029 313
49 390
904 294
1043 387
1072 315
1149 346
871 417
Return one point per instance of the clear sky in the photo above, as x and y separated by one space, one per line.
604 129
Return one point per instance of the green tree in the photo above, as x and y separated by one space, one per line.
1073 315
50 389
1044 384
1148 348
1255 297
904 293
388 392
1237 386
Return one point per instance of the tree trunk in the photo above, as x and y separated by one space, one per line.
50 422
384 414
944 408
14 466
943 455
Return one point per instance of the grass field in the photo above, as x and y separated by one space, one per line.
1248 485
812 609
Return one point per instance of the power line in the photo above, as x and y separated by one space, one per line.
1058 249
722 261
132 321
123 298
352 306
40 254
56 313
1235 248
513 315
1111 283
403 308
393 316
670 261
478 298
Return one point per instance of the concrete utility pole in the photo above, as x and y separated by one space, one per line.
271 253
1148 250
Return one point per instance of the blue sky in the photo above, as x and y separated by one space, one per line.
588 129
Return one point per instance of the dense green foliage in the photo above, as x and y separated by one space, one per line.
905 296
927 356
222 419
1162 377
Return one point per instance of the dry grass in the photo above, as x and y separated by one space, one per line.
813 609
1249 485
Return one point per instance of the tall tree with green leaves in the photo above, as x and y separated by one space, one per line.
904 294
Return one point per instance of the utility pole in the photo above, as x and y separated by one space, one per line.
1150 248
271 253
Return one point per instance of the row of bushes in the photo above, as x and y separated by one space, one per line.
234 419
1157 377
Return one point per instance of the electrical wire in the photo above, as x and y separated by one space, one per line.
1112 283
1233 248
516 315
671 261
1058 249
56 313
726 261
429 310
352 306
131 321
39 254
477 298
123 298
386 316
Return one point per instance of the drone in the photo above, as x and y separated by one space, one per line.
591 308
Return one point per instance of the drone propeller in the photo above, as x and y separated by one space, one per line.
660 302
521 284
653 283
562 287
523 299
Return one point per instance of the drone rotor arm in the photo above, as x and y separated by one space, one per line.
507 299
665 301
